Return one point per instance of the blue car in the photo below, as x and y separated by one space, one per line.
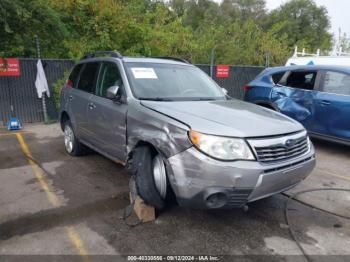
316 96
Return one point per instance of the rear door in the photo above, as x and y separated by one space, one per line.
294 95
79 98
333 105
107 118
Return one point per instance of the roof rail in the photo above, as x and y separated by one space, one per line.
115 54
172 58
303 53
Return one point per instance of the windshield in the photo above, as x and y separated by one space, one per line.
167 82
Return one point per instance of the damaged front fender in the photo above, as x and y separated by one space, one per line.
167 135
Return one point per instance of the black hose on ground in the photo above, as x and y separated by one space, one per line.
293 197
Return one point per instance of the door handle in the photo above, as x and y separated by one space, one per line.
92 106
325 102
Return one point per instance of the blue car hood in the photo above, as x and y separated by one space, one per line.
233 118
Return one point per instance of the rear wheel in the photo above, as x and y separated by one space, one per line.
71 143
150 176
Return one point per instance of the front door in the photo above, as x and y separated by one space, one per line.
294 96
107 118
333 105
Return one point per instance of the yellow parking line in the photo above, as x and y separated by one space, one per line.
13 134
77 241
38 172
53 199
335 175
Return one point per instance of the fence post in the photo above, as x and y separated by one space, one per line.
212 58
43 98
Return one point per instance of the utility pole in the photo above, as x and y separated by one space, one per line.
43 98
212 58
267 59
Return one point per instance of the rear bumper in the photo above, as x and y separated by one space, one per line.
202 182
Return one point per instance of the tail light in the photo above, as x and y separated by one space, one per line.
247 88
69 83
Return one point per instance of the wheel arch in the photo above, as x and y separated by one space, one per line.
143 143
63 118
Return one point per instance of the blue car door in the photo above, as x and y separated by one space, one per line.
333 105
294 96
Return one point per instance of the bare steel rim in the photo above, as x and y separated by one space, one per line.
159 175
68 138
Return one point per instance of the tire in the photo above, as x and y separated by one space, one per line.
71 143
143 168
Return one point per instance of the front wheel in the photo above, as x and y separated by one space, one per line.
150 175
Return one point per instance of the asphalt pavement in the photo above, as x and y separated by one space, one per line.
55 204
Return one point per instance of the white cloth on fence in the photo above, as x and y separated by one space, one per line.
41 82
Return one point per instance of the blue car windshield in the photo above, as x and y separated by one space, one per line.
168 82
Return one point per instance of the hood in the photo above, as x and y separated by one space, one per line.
233 118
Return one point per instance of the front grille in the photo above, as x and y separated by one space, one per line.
278 149
238 197
267 171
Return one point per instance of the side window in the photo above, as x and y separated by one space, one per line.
337 83
88 77
109 76
73 77
302 79
276 78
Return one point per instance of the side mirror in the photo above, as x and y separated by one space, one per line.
112 92
224 90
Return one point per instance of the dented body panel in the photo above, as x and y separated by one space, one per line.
296 103
167 135
194 177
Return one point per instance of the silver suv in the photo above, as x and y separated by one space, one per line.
180 133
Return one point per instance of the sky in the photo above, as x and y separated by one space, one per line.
338 11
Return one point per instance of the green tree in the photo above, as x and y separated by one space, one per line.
305 24
241 30
20 21
244 9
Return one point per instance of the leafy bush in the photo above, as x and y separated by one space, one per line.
57 86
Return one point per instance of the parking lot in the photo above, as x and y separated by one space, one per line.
54 204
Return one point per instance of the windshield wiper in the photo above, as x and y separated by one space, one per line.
156 99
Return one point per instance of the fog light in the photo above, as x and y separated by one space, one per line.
216 200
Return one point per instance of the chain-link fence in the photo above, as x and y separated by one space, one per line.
18 96
239 76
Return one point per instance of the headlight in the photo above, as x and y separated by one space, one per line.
224 148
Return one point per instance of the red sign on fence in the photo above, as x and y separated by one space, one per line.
9 67
222 71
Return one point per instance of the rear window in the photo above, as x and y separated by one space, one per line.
87 80
73 77
336 83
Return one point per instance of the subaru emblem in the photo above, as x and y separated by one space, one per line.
290 143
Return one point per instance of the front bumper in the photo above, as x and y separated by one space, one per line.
203 182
